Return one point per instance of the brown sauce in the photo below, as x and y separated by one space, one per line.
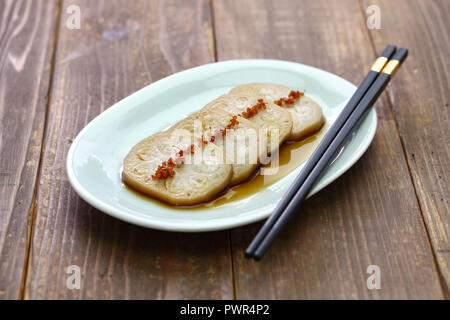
291 155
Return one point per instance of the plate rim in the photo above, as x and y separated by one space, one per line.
220 224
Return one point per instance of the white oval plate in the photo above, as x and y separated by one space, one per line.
95 157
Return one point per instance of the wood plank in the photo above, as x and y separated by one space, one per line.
119 49
26 48
369 216
420 98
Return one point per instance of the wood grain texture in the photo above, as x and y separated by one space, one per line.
420 98
369 216
26 48
119 49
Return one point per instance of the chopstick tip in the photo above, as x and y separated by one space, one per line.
257 258
248 255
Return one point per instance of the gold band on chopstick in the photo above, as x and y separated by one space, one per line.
379 64
391 67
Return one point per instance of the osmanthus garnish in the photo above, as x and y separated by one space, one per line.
293 95
250 112
165 170
222 132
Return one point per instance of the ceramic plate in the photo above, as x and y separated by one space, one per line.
95 158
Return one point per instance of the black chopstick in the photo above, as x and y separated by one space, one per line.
323 154
367 101
327 139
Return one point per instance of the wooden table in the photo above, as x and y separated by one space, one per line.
391 209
